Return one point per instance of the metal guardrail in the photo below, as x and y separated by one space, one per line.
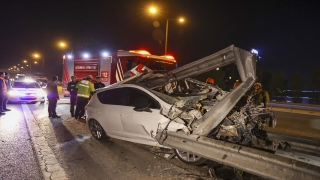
251 160
295 106
306 145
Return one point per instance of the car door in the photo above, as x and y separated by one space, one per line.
109 118
138 125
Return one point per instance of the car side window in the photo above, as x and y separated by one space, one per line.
112 96
137 98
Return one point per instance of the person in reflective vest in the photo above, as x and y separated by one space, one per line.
85 88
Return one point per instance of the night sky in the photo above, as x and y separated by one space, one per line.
286 33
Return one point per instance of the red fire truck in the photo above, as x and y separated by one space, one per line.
112 67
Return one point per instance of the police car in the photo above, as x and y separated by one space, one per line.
26 90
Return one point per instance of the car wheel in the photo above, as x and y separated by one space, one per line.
96 129
189 158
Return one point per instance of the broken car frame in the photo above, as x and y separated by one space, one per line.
199 140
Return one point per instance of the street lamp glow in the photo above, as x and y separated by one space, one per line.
62 44
153 10
36 55
36 62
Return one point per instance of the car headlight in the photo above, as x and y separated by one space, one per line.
41 93
13 93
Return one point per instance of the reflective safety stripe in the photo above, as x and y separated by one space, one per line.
87 86
83 95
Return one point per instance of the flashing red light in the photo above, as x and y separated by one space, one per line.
140 52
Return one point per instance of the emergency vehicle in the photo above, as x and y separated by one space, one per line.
26 90
112 67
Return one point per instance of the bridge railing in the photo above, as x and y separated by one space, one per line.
294 106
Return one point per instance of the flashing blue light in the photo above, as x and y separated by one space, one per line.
105 54
253 51
70 56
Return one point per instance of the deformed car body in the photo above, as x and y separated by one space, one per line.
137 110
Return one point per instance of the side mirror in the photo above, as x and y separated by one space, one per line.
145 109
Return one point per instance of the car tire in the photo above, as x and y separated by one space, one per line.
42 102
96 129
189 158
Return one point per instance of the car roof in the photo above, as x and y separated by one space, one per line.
23 80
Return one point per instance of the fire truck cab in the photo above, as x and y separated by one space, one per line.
112 67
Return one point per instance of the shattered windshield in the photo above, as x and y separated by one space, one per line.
166 98
26 85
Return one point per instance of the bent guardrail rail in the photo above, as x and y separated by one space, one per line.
251 160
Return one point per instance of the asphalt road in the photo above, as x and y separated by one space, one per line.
83 157
17 157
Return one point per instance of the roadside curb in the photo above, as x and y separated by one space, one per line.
49 165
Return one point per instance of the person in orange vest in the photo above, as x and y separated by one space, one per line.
3 90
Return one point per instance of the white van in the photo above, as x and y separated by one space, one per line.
26 91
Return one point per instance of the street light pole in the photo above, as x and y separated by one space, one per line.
153 11
166 43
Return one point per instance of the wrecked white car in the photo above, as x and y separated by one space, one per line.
140 110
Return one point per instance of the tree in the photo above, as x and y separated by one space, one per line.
277 85
259 73
297 86
315 85
266 79
315 79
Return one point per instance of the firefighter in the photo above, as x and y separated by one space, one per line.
98 84
85 88
53 97
210 81
259 95
3 90
73 93
236 84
